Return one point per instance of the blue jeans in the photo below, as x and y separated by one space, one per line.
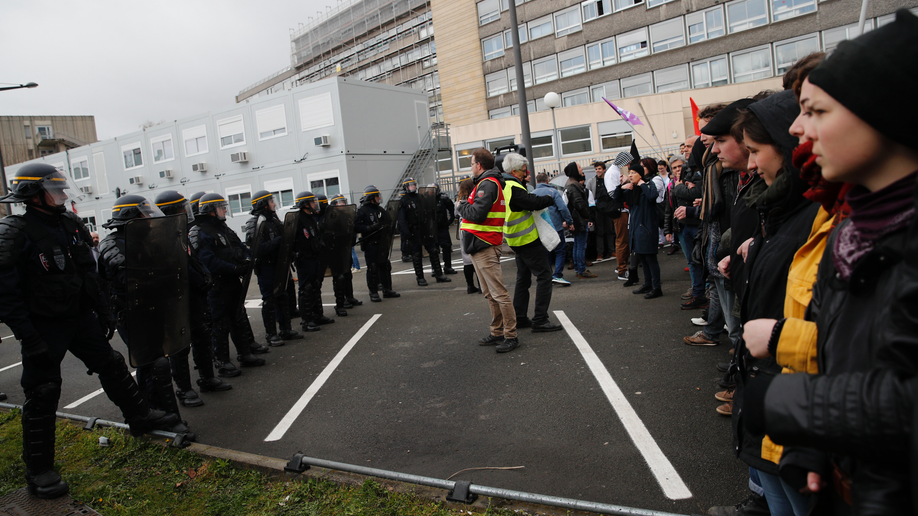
557 257
354 261
782 499
580 245
687 242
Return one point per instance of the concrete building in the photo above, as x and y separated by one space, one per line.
29 136
333 136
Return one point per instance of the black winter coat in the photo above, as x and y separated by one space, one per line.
644 225
578 203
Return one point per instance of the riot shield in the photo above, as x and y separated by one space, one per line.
427 213
285 254
392 215
247 277
156 280
338 235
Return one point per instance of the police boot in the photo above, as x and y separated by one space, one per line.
250 360
166 399
309 326
256 348
121 388
270 320
374 297
438 272
213 384
448 262
181 372
225 368
387 291
289 334
274 341
38 423
340 311
419 272
388 294
349 292
321 319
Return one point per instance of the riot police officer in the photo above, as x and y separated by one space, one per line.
308 251
340 262
227 259
266 232
376 227
200 281
48 296
195 205
154 377
413 224
446 214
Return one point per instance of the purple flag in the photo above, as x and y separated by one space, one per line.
629 117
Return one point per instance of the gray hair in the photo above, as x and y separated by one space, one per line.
513 162
676 158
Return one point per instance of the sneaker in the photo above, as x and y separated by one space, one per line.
755 505
695 302
726 409
508 345
490 340
726 395
374 297
422 282
699 321
688 295
561 281
623 277
274 341
699 339
586 274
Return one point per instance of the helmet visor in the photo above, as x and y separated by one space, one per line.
59 187
148 210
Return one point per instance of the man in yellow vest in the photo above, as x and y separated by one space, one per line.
481 235
522 236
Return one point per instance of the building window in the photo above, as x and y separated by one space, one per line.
162 149
133 158
637 85
610 90
751 65
327 186
493 145
495 114
746 14
545 69
624 4
444 161
80 168
44 132
615 140
195 140
601 54
508 36
231 132
705 25
671 79
541 27
464 156
654 3
593 9
497 83
667 35
832 37
488 11
576 97
271 122
712 72
576 140
784 9
90 222
567 21
789 52
282 190
632 45
530 108
28 131
527 75
542 146
239 202
493 47
572 62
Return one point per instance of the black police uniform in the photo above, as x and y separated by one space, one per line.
310 269
446 214
409 224
374 224
273 308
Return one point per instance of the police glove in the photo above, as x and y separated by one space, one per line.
241 270
374 228
107 323
35 348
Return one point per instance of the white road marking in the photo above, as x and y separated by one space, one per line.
429 270
89 396
256 303
17 364
313 389
673 486
7 337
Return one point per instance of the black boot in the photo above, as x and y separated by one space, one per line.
289 334
181 372
38 425
340 311
374 297
121 388
469 271
633 278
448 263
437 271
388 294
250 360
213 384
165 396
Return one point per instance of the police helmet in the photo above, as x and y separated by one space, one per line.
337 200
195 199
407 183
172 202
304 200
323 202
370 193
435 186
129 207
260 201
210 202
37 178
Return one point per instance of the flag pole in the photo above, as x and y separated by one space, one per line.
634 129
652 133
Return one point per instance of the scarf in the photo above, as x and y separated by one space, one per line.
712 201
832 196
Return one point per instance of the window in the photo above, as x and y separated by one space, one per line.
593 9
601 54
282 190
488 11
444 161
784 9
542 145
609 90
195 140
231 132
493 47
746 14
576 140
704 25
28 131
576 97
567 21
530 108
637 85
751 65
493 145
495 114
271 122
545 69
239 201
497 83
615 135
80 168
541 27
832 37
90 222
464 154
624 4
667 35
632 45
527 75
327 186
654 3
712 72
789 52
316 112
671 79
44 132
162 148
508 36
572 62
132 156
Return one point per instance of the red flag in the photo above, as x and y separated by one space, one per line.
695 116
73 207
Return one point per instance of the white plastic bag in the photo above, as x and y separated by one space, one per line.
548 235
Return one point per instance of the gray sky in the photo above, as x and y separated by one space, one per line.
126 61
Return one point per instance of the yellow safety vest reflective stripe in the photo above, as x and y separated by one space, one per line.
519 226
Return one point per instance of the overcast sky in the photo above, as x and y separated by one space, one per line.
126 62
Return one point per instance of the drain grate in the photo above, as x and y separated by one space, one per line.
21 503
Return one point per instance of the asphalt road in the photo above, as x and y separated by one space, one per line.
615 409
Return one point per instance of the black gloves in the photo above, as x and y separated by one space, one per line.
107 323
241 270
374 228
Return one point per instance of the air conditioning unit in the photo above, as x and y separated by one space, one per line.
239 157
136 180
322 141
199 167
86 190
167 174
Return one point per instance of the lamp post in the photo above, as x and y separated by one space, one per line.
553 100
26 85
3 207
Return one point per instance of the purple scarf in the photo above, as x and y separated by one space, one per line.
873 215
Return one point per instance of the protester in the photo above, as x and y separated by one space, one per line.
641 195
468 270
604 223
560 219
579 206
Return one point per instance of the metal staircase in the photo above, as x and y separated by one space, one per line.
437 139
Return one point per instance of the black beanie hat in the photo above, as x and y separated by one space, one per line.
874 69
570 170
636 166
723 120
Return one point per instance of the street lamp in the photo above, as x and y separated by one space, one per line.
26 85
553 100
3 207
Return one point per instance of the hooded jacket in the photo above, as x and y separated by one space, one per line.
486 193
